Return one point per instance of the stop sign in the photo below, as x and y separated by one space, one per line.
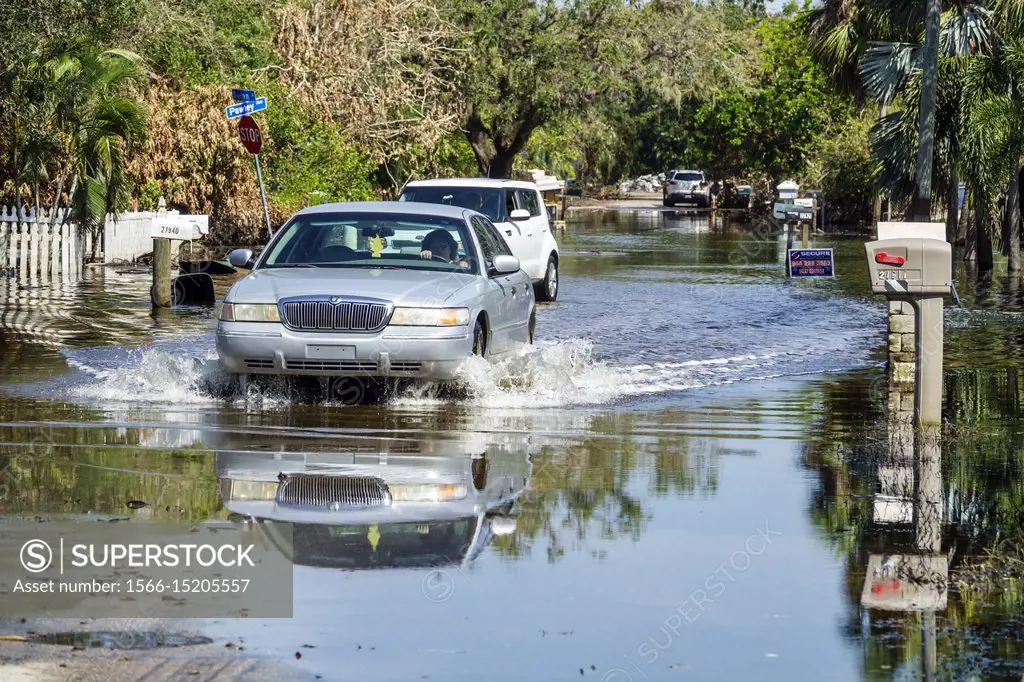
249 134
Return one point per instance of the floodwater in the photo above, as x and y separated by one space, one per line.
690 476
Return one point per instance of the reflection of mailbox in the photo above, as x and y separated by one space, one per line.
910 266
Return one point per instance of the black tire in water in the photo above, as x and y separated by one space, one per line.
547 288
533 324
479 468
480 339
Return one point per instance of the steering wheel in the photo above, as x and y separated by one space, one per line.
439 258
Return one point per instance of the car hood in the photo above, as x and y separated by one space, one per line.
397 285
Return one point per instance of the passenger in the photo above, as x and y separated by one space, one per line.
440 245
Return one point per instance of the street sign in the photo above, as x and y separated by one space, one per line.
811 263
249 134
182 227
244 108
240 95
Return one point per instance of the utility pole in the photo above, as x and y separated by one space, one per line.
926 122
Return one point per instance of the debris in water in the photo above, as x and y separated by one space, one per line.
13 638
297 655
137 504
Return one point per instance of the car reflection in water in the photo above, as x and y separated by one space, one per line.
362 510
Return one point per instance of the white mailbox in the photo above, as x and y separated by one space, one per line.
181 227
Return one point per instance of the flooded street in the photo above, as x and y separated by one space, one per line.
687 477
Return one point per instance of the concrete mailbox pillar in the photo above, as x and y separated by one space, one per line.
917 269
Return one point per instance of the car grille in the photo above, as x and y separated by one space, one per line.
324 316
331 365
332 492
342 366
259 363
406 366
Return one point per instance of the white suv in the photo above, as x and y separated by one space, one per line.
687 186
516 208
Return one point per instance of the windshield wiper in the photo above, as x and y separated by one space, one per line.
293 265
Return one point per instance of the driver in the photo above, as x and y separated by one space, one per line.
441 245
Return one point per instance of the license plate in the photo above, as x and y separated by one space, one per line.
321 352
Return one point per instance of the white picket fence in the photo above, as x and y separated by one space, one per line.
33 248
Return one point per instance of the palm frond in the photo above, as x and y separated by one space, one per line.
967 32
886 68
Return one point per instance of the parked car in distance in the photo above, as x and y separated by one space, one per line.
686 186
376 289
516 208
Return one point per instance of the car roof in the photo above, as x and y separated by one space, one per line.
683 170
397 207
473 182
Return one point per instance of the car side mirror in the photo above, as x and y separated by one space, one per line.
519 214
504 265
240 258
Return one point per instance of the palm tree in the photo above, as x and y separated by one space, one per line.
893 72
80 123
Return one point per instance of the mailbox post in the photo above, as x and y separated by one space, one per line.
918 270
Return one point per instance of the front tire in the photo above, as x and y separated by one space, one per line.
547 288
533 325
480 339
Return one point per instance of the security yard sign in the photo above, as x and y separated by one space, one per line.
811 263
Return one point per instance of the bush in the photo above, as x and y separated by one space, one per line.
840 164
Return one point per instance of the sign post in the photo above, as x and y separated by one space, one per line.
249 134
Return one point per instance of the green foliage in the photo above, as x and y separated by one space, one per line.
554 148
203 42
532 64
764 128
75 125
310 162
841 165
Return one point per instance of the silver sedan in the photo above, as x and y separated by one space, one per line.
376 289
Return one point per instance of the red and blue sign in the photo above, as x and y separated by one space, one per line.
811 263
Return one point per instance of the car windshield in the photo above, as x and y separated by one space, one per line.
688 177
482 200
372 240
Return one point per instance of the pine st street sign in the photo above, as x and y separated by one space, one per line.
246 108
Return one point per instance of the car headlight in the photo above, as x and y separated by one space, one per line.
430 317
427 493
244 491
250 312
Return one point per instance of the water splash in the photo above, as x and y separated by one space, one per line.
555 374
